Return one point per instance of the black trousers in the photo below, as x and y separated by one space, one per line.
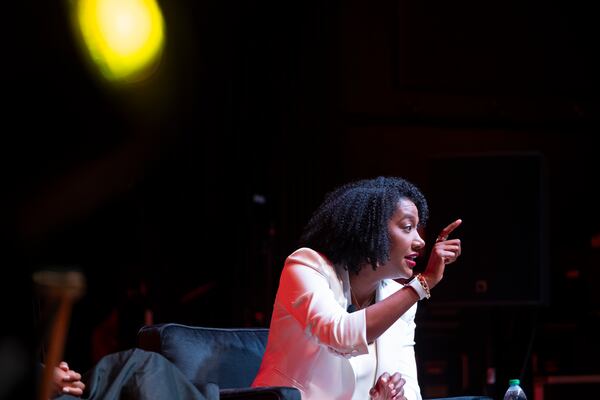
138 374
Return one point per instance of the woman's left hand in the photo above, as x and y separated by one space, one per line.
388 387
445 251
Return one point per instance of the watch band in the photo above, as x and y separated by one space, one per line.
419 284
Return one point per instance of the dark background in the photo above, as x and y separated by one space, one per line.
180 197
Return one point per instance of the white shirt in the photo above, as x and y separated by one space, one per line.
365 367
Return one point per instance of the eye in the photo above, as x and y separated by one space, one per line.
407 228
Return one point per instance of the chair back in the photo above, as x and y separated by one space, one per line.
226 356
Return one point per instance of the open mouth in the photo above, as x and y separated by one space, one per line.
410 260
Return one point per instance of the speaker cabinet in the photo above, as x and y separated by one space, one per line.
501 200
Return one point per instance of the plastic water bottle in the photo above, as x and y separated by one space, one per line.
514 391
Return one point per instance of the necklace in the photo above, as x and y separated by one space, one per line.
371 300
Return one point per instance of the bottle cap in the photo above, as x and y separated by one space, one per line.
513 382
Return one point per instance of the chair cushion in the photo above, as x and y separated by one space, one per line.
228 357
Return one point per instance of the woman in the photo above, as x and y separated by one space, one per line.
342 327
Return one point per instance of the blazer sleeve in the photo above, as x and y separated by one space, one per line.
305 292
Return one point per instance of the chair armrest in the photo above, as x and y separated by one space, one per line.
262 393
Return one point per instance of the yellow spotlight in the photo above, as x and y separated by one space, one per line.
124 38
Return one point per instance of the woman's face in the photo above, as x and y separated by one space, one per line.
405 241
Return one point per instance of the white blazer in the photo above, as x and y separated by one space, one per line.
312 336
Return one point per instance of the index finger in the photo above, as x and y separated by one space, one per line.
448 230
73 376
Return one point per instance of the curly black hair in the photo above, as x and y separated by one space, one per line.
350 227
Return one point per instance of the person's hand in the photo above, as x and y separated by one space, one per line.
445 251
388 387
67 381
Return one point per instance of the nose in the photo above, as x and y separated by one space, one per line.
418 243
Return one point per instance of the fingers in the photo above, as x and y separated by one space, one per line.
68 381
384 378
381 389
448 230
396 378
66 376
443 253
75 391
62 373
393 384
73 388
59 375
379 385
373 393
389 387
453 249
448 250
448 245
398 384
399 395
74 376
78 385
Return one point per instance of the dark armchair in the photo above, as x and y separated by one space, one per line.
229 358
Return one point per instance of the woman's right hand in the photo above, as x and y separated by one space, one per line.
388 387
445 251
